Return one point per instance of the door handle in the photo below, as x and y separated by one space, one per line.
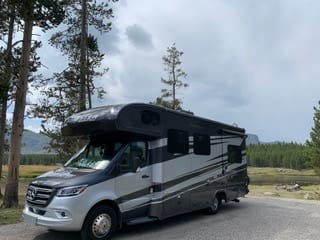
145 176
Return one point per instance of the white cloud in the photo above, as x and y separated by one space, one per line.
33 128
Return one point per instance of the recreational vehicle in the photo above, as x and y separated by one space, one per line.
142 163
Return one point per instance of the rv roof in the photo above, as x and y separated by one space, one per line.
126 117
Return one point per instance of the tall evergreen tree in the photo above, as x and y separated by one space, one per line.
71 90
172 66
7 11
10 64
45 14
314 143
76 42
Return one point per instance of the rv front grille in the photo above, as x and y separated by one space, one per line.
39 195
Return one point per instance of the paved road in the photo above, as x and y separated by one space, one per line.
252 218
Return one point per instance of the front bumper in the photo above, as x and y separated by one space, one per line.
62 214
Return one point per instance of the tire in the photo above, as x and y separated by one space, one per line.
100 223
214 207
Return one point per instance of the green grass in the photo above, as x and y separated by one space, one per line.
10 215
13 215
271 182
27 173
272 176
280 171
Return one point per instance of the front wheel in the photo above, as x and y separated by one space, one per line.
100 223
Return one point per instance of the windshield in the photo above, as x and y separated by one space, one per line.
94 155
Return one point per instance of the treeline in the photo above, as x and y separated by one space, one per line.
282 155
38 159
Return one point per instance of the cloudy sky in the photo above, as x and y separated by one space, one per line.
253 63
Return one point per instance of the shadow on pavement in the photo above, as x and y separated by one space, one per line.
128 231
54 235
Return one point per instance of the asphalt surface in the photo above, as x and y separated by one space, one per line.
252 218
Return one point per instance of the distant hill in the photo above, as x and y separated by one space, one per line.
252 139
33 142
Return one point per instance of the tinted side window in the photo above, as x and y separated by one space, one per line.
138 150
178 141
201 144
234 154
134 150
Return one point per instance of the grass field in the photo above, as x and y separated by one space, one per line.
31 171
273 176
310 192
265 182
14 215
26 173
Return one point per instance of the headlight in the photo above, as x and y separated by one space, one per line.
71 191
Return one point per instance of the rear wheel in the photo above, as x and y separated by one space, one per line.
100 224
214 207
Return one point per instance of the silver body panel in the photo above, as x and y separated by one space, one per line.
181 180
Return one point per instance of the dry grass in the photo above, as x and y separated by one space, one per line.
31 171
26 173
14 215
311 192
280 171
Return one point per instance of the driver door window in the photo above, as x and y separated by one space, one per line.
135 151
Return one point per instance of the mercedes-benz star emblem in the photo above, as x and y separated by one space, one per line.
32 192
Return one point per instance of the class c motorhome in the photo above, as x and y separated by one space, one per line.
143 163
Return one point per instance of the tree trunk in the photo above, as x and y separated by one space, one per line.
174 86
89 94
2 133
11 190
88 82
83 57
6 83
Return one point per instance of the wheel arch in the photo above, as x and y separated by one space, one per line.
113 205
221 195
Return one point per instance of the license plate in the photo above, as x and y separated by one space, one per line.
30 219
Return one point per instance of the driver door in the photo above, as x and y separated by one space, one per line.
134 180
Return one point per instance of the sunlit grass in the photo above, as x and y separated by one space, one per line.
31 171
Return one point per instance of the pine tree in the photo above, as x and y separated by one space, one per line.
172 66
314 143
45 14
7 11
71 90
77 43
